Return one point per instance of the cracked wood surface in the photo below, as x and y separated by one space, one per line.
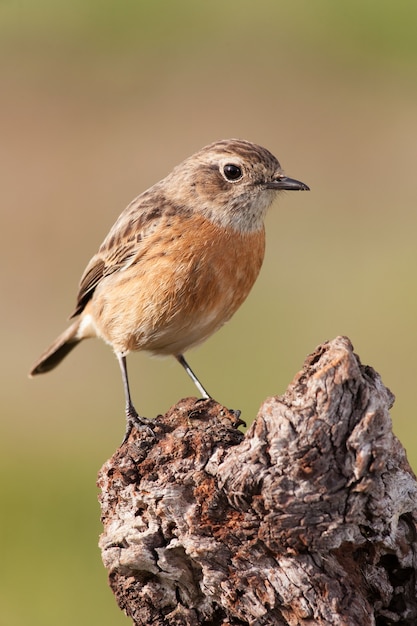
308 518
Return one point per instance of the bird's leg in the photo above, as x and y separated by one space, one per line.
204 393
133 420
206 396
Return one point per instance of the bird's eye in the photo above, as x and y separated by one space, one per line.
232 172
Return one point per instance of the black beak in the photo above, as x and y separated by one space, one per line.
290 184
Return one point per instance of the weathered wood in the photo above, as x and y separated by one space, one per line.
308 518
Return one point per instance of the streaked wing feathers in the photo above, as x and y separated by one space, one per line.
93 274
126 240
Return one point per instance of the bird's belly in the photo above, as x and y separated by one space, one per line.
187 328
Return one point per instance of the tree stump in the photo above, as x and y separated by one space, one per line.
308 518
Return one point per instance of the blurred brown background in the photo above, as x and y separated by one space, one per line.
101 99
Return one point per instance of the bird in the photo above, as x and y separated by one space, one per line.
179 260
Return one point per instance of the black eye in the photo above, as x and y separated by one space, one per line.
232 172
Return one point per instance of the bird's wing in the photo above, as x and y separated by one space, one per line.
126 242
93 273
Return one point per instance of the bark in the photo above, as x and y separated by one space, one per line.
308 518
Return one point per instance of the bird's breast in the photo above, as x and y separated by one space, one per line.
189 281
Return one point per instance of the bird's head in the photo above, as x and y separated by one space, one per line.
232 182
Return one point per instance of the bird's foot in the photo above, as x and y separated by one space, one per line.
235 412
133 420
204 399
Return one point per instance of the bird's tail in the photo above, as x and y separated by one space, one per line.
57 351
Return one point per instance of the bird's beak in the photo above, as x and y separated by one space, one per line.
290 184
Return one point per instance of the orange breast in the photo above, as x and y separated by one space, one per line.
185 284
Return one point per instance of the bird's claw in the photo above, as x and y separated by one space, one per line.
133 420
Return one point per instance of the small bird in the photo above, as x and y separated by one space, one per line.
179 261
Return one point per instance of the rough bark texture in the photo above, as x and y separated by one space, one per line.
308 518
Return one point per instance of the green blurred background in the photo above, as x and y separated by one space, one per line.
101 99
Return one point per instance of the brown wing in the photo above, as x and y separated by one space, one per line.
89 281
126 240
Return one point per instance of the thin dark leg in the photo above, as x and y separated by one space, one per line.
132 418
130 409
204 393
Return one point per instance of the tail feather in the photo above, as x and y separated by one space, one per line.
57 351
